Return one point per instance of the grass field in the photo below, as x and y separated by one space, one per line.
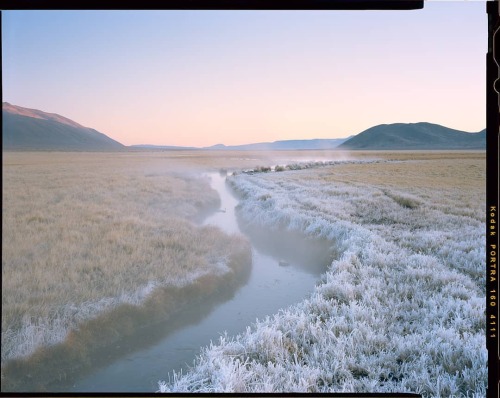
401 309
85 233
90 237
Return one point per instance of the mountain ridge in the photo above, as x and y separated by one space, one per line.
32 129
414 136
311 144
37 114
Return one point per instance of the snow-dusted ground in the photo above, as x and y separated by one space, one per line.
401 309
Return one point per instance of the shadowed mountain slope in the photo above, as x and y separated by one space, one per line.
31 129
415 136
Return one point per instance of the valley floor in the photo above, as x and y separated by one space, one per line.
95 245
401 309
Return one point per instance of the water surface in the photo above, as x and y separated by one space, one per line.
144 360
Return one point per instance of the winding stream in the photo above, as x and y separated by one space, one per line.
152 356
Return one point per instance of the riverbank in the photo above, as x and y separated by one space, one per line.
271 286
401 310
97 247
82 348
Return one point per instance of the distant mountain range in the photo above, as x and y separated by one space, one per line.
164 147
31 129
396 136
284 145
415 136
261 146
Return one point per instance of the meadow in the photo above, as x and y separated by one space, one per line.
98 244
402 308
88 237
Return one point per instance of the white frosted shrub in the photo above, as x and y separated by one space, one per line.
401 309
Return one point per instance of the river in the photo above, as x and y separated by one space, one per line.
277 280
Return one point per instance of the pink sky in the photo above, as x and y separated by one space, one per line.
198 78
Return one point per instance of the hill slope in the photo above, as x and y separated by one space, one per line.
31 129
415 136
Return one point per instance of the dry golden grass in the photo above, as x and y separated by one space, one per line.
451 181
418 170
84 232
88 236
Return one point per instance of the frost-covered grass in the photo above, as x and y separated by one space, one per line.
401 309
84 233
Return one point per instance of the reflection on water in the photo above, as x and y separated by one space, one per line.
225 217
146 359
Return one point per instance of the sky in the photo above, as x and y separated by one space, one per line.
200 78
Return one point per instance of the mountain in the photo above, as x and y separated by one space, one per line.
261 146
148 147
31 129
415 136
284 145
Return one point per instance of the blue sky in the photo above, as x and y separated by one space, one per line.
206 77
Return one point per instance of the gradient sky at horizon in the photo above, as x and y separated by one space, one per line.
199 78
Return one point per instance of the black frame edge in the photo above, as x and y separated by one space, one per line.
219 4
492 173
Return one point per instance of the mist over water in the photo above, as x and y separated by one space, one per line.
279 277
